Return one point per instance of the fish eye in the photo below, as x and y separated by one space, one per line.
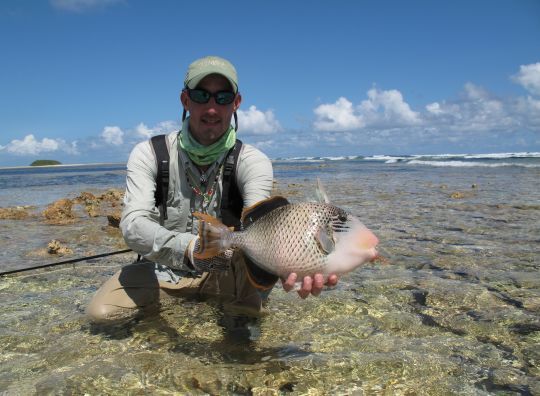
342 216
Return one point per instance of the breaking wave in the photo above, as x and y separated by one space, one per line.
491 160
471 164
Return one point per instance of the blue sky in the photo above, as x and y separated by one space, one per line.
84 80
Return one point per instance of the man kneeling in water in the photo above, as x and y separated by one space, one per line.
197 157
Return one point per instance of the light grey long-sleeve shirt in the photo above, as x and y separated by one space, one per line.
167 244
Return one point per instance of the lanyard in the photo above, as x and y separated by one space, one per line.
202 191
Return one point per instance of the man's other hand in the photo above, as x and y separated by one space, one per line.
310 285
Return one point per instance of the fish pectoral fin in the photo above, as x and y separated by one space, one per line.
325 241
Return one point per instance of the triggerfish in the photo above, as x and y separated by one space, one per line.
282 237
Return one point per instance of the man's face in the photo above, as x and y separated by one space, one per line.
209 121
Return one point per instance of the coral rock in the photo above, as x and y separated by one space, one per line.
55 247
114 219
17 213
59 212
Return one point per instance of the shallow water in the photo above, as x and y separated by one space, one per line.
454 308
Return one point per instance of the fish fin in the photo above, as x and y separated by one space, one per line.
255 212
211 233
320 193
325 241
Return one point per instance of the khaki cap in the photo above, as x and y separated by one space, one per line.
203 67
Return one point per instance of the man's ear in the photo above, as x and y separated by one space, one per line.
237 101
184 99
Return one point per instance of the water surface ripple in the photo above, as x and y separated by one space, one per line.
453 309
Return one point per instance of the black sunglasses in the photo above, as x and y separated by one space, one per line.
203 96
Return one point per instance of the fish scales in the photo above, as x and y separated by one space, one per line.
283 241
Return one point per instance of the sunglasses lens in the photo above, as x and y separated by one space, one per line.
202 96
224 97
199 95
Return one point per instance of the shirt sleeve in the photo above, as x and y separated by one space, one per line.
140 218
254 175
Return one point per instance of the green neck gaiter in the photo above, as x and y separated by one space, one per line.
205 155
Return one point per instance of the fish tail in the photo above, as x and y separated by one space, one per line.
213 236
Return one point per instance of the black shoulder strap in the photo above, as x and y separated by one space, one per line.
232 202
159 143
232 205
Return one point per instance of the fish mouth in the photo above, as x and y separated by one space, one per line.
375 256
380 259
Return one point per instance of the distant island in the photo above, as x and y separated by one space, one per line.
45 162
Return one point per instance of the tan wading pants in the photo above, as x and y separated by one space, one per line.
136 287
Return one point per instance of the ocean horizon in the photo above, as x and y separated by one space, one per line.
444 159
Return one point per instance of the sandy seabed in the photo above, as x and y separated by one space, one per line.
453 309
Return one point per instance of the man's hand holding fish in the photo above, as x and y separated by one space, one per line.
310 284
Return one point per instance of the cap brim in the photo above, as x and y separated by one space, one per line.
199 77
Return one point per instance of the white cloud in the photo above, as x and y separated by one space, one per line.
528 112
143 131
29 145
434 108
474 92
529 77
381 109
82 5
72 148
164 127
386 111
113 135
265 144
384 119
476 111
339 116
116 136
387 107
257 122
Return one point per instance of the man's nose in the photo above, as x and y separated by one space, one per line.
211 104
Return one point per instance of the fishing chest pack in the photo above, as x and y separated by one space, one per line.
231 200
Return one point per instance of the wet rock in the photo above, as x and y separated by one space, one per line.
55 247
114 219
91 203
508 378
532 303
457 195
85 198
112 195
99 205
16 213
59 212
